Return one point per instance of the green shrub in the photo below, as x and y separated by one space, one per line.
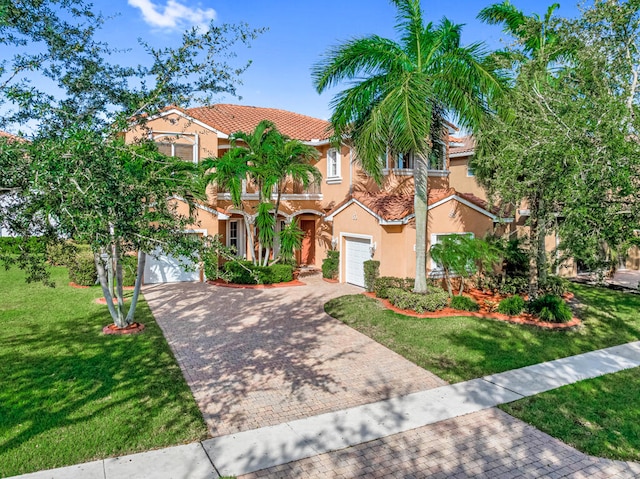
550 308
384 283
241 272
554 285
82 271
331 265
464 303
511 306
516 285
211 263
62 253
371 273
434 300
281 273
14 245
245 272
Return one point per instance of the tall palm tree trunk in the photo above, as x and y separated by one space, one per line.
420 206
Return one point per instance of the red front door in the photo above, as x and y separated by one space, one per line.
308 250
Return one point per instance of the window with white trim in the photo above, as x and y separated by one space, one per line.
405 161
470 171
179 146
333 163
234 236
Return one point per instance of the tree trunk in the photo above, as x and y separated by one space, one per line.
142 258
420 178
117 264
118 320
534 231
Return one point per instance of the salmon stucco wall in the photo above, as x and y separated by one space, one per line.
461 181
204 219
455 217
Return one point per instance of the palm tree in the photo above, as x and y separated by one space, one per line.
267 158
399 88
537 37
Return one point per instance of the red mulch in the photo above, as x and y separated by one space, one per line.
480 297
103 300
77 286
224 284
133 328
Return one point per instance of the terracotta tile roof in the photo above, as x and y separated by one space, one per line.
394 207
232 118
388 206
467 145
4 134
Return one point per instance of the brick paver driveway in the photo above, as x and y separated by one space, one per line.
256 358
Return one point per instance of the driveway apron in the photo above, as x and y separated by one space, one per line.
256 358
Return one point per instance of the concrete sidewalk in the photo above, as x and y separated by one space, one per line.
269 447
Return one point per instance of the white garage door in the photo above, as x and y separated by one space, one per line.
357 251
164 268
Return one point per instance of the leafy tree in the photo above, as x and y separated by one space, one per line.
77 178
400 95
518 157
567 144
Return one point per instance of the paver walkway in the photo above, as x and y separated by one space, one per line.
256 358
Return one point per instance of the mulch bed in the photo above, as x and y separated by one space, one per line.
103 300
77 286
133 328
224 284
480 297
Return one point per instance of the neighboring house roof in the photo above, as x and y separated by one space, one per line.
4 134
233 118
398 209
461 146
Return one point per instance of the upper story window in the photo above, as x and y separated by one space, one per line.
405 161
470 171
181 146
333 164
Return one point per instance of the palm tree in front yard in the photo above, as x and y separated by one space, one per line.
399 88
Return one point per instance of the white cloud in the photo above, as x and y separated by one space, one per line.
173 15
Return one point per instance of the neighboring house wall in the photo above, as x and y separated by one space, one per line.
461 178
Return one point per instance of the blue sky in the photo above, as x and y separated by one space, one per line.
298 33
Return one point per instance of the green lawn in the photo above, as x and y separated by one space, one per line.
599 416
461 348
69 394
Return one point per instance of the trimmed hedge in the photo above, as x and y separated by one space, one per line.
550 308
82 271
464 303
382 285
371 273
511 306
434 300
245 272
331 265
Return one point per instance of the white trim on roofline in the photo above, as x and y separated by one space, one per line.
462 154
472 206
190 118
217 213
381 220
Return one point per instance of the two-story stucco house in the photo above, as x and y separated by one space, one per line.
348 211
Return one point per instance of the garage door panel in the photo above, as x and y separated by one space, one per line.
164 268
357 251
